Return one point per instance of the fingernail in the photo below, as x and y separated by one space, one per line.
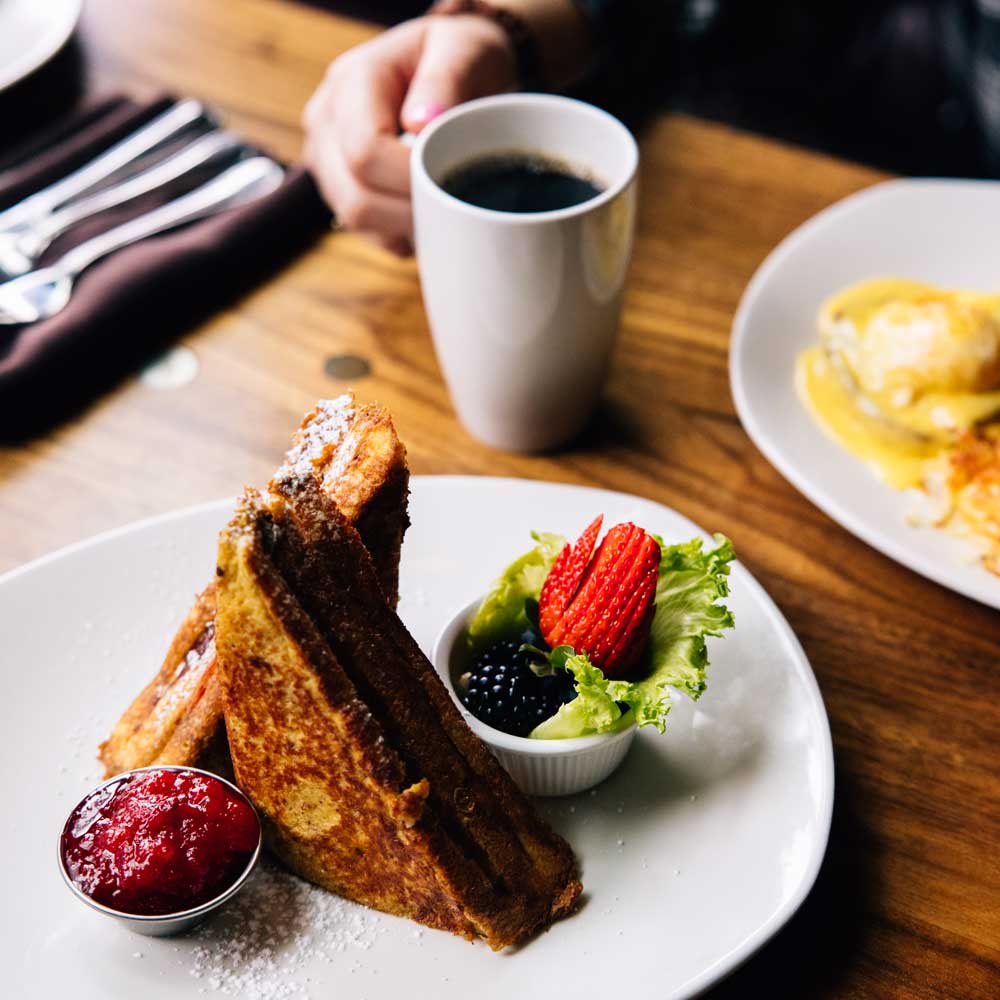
424 113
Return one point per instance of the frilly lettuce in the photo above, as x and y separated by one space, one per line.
595 709
502 614
691 582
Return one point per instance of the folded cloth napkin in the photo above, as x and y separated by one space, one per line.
129 305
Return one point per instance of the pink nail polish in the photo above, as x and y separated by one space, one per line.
425 113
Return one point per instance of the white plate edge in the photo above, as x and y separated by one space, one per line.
731 962
728 963
898 553
111 533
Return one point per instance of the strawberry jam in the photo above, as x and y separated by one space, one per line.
160 841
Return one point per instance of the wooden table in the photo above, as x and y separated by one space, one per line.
907 902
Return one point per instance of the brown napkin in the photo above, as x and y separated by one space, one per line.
128 306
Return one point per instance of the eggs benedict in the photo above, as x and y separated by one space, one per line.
902 369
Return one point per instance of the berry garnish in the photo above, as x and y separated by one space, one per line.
504 692
602 603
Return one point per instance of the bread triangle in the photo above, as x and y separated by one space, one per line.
368 780
353 453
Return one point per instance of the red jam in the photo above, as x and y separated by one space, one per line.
159 841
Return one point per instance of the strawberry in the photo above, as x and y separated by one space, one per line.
564 578
601 603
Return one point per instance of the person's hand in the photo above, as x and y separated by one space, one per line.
399 80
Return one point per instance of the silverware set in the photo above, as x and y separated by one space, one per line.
145 161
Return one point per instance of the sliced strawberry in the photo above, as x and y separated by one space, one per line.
596 596
635 635
609 611
564 578
629 618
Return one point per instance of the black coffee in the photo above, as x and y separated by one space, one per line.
520 182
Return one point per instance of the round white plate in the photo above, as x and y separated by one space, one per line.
31 33
942 232
700 847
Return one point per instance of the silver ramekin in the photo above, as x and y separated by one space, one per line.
539 767
163 925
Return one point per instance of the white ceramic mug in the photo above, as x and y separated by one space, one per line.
524 307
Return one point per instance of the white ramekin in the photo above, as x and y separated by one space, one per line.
540 767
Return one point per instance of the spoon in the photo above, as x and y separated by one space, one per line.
43 293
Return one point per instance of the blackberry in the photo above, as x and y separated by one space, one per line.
505 693
531 637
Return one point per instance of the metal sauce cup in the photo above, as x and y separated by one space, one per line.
164 924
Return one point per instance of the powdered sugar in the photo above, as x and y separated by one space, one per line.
259 947
318 439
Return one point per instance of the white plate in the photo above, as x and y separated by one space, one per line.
31 33
695 853
943 232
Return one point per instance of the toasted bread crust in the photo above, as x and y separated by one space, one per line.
326 563
177 717
333 798
356 456
332 707
353 452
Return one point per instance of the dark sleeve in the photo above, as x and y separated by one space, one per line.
975 55
629 26
634 41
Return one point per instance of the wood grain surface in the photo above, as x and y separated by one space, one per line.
907 902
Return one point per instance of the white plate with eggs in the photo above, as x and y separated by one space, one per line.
940 232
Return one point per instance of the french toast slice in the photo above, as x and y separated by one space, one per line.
177 718
352 452
368 781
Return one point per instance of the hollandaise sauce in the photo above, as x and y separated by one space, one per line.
897 456
903 368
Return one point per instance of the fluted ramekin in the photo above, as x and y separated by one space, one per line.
539 767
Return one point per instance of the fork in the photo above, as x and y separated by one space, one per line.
111 162
43 293
23 244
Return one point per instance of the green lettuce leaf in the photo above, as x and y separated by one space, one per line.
595 708
691 581
502 613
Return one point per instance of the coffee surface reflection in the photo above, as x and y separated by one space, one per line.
520 182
